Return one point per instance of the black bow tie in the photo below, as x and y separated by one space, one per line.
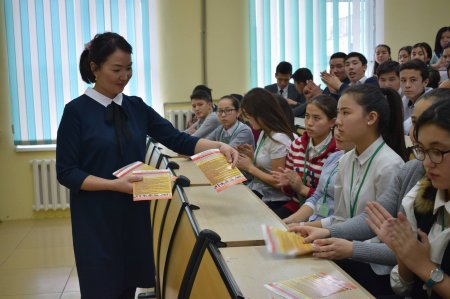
116 115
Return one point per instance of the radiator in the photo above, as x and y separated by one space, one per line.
48 193
179 118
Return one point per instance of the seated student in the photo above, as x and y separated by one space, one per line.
301 76
445 62
404 54
442 38
307 154
337 69
208 91
422 51
388 76
231 131
287 90
446 83
355 68
372 119
413 81
382 54
356 230
320 204
207 122
420 235
271 148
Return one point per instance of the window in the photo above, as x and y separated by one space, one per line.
306 33
44 41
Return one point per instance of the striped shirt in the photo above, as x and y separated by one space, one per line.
312 165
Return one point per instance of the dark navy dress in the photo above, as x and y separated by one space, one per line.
111 233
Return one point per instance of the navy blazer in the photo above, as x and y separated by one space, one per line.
292 92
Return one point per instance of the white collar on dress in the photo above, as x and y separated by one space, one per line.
364 156
102 99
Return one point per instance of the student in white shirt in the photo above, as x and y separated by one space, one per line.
420 236
371 118
264 113
231 131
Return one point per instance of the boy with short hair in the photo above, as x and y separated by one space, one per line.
413 81
287 90
388 75
301 76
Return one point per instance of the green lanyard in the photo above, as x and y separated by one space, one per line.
308 160
325 190
260 145
355 202
231 136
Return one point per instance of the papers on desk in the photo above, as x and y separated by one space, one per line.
284 243
217 169
312 286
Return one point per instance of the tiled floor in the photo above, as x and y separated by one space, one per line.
36 260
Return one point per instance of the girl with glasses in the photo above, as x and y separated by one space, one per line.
420 235
231 131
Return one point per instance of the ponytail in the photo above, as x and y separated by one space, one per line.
392 130
386 102
85 67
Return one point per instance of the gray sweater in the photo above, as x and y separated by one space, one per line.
356 228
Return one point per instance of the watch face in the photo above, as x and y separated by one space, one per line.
437 275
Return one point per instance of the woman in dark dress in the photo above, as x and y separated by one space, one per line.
100 132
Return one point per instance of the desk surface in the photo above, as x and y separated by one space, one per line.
236 214
167 152
253 266
191 171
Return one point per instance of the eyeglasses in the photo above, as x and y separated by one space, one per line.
436 156
226 111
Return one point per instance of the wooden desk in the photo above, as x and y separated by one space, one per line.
191 171
235 214
167 152
252 267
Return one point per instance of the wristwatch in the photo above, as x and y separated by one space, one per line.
436 276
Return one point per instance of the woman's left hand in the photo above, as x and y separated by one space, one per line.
332 248
230 153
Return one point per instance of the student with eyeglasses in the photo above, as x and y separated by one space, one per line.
231 131
344 241
420 235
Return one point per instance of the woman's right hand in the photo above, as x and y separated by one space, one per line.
125 183
245 149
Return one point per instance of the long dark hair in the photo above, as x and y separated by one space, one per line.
264 107
376 64
98 51
389 107
437 42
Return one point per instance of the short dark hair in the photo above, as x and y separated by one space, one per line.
361 57
200 95
406 48
437 114
204 88
417 65
302 75
387 67
98 50
434 77
284 67
327 104
338 55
